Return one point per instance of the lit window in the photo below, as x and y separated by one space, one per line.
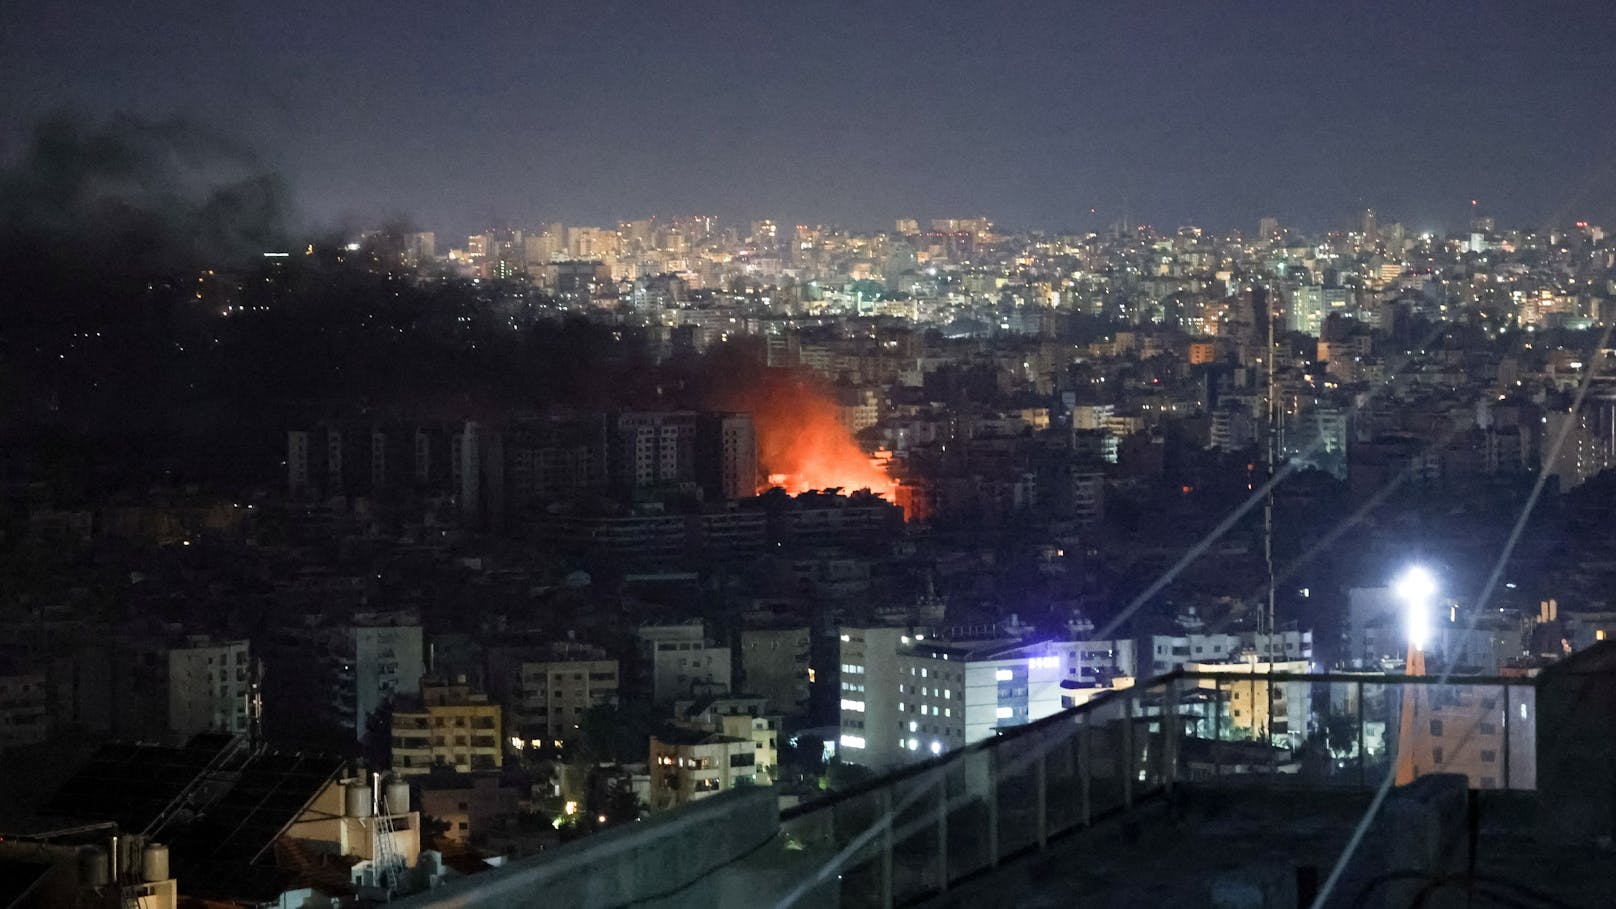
936 747
914 744
1004 713
852 741
1003 675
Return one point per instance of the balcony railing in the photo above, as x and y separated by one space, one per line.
920 829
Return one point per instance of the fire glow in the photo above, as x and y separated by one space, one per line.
803 446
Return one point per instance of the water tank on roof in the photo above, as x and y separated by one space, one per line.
398 796
356 799
154 863
93 866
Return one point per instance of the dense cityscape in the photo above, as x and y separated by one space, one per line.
581 524
1074 460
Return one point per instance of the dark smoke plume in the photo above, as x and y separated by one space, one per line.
131 196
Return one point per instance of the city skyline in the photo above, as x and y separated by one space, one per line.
910 454
828 114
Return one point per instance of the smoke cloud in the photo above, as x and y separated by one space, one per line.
137 196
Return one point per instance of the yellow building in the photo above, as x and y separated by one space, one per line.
1246 695
1470 729
446 726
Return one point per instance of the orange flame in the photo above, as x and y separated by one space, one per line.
803 445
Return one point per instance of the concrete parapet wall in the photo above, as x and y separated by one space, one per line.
681 858
1419 838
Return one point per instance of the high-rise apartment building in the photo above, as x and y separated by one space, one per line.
727 452
909 697
547 690
151 684
1311 304
208 685
339 673
446 726
774 664
683 662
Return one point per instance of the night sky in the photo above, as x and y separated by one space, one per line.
458 116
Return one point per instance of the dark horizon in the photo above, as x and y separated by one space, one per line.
838 114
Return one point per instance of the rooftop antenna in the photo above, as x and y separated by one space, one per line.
1268 512
255 705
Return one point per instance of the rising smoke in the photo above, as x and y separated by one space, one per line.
132 196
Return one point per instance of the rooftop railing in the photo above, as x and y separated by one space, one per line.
922 828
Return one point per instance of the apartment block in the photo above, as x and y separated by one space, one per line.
446 726
546 690
688 765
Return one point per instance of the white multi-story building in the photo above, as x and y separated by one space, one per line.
683 662
1167 652
376 657
546 691
150 683
208 684
906 696
1311 304
691 764
869 718
742 717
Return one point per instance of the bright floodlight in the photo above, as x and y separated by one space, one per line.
1416 588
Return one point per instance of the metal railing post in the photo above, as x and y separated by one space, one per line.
1041 775
885 803
1506 735
942 829
1172 727
1085 765
992 757
1127 750
1363 774
1217 729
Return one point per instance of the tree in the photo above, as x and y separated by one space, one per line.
1341 735
378 738
621 805
615 733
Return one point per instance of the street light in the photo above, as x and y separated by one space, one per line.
1416 588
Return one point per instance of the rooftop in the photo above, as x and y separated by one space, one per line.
1147 797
